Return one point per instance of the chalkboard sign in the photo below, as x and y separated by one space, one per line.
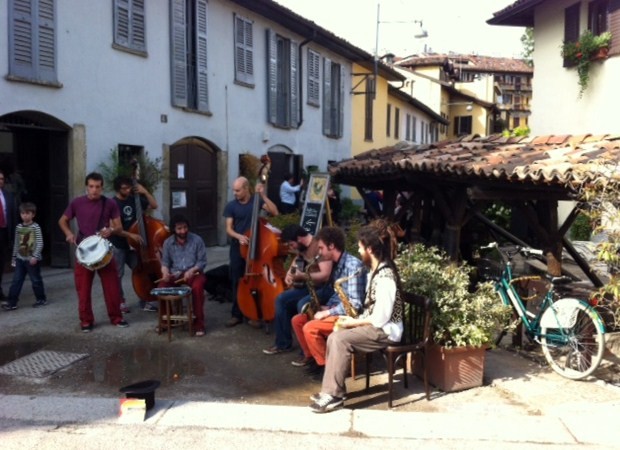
316 193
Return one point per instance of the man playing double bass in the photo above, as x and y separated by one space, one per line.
125 198
238 214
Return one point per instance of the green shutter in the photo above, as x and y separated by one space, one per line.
272 76
201 56
327 97
294 84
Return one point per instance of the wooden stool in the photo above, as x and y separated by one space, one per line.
171 310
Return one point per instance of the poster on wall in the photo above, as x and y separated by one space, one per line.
316 194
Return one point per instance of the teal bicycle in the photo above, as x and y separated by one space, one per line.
570 332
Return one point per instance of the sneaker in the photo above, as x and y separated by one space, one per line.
302 361
312 367
233 321
254 323
199 333
122 324
149 308
275 350
9 307
87 328
4 302
315 397
326 403
125 309
39 303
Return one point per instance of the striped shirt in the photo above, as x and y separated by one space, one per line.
28 241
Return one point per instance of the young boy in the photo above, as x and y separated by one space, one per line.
26 258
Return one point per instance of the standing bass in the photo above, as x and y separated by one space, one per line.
152 234
264 263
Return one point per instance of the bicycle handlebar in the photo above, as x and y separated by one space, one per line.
525 251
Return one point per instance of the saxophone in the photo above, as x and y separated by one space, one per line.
344 298
314 305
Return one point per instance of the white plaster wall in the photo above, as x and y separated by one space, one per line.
119 97
556 108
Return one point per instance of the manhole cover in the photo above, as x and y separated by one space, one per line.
41 364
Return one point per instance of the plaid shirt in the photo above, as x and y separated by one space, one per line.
355 287
179 258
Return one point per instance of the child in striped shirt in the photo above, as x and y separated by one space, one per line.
27 258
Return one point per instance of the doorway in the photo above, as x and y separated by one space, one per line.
193 186
34 157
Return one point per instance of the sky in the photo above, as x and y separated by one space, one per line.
452 25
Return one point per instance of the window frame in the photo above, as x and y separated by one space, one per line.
282 81
132 12
313 96
243 37
38 31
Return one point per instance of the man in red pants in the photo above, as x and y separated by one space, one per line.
184 258
312 335
95 214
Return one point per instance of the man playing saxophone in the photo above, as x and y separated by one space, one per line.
305 270
312 334
379 324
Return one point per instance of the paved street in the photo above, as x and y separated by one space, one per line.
220 391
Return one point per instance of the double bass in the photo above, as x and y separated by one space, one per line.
153 233
264 262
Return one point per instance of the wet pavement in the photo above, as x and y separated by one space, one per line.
227 365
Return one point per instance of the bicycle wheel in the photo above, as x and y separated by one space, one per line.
572 338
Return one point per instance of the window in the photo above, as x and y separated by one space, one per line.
516 122
414 134
397 123
189 54
462 125
333 99
244 51
571 26
32 41
314 77
597 16
282 98
128 153
129 26
388 123
369 103
407 127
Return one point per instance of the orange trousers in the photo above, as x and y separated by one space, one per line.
312 335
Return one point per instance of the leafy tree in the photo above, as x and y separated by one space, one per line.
527 40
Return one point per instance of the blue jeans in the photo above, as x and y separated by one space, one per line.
289 303
23 267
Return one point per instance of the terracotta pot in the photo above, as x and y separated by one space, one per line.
454 369
601 54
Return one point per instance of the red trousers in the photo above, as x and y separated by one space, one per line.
198 299
312 335
111 292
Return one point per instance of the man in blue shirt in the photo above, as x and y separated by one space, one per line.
185 258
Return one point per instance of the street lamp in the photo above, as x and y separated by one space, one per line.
420 33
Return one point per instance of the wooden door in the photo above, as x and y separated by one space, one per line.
193 187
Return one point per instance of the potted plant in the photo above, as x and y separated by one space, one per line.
465 319
589 47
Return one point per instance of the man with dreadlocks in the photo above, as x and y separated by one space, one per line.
379 324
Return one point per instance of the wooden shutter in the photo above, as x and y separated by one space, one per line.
138 26
341 101
47 41
244 50
327 97
272 76
121 22
21 38
178 49
613 21
202 91
32 40
314 76
294 85
571 26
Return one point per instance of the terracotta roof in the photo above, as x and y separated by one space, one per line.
562 161
472 63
